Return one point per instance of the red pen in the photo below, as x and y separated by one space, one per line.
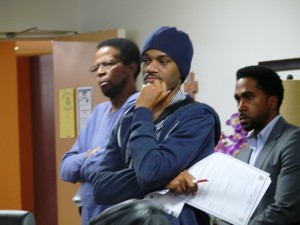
200 181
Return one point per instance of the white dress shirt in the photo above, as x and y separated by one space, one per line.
258 142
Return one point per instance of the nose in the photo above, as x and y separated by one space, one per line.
152 67
100 72
241 106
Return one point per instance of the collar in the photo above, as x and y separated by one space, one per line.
178 97
263 135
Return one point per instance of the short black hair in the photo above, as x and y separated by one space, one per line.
129 51
131 212
267 80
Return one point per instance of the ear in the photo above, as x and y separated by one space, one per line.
273 101
132 68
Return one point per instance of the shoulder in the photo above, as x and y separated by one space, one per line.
100 109
283 128
286 138
198 109
102 106
203 112
130 102
205 107
292 128
133 97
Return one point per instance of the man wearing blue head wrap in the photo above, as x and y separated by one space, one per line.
166 132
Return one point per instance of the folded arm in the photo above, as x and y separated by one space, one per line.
187 139
114 182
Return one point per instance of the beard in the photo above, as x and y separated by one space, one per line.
257 123
112 91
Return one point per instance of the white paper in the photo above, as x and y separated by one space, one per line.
233 190
232 193
167 202
77 197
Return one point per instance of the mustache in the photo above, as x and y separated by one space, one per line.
151 76
243 116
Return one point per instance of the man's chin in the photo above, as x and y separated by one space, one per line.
246 127
110 93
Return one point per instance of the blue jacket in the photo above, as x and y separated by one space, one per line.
188 135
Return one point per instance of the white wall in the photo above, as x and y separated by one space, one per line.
18 15
227 34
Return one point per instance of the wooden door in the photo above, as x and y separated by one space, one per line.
71 61
43 144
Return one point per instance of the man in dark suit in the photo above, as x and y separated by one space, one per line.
274 145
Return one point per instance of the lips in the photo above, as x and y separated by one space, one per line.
150 78
103 83
243 119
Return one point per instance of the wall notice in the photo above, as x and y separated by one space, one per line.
67 113
84 105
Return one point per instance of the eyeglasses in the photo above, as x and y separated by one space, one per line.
106 66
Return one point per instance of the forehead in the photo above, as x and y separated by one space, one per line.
246 84
108 52
154 53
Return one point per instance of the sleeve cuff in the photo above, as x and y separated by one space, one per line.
142 114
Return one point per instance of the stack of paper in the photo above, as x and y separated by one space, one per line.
232 192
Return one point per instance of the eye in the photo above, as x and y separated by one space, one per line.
94 68
146 61
107 65
248 96
164 61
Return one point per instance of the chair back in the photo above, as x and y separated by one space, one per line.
16 217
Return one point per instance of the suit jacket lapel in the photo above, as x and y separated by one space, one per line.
270 143
244 154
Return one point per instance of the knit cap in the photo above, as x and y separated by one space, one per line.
175 43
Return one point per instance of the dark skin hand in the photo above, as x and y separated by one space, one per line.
183 183
91 152
152 95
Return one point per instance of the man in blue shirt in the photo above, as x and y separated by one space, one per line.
117 65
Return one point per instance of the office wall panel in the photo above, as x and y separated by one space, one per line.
10 178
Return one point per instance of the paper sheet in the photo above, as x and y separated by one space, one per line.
232 192
167 202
